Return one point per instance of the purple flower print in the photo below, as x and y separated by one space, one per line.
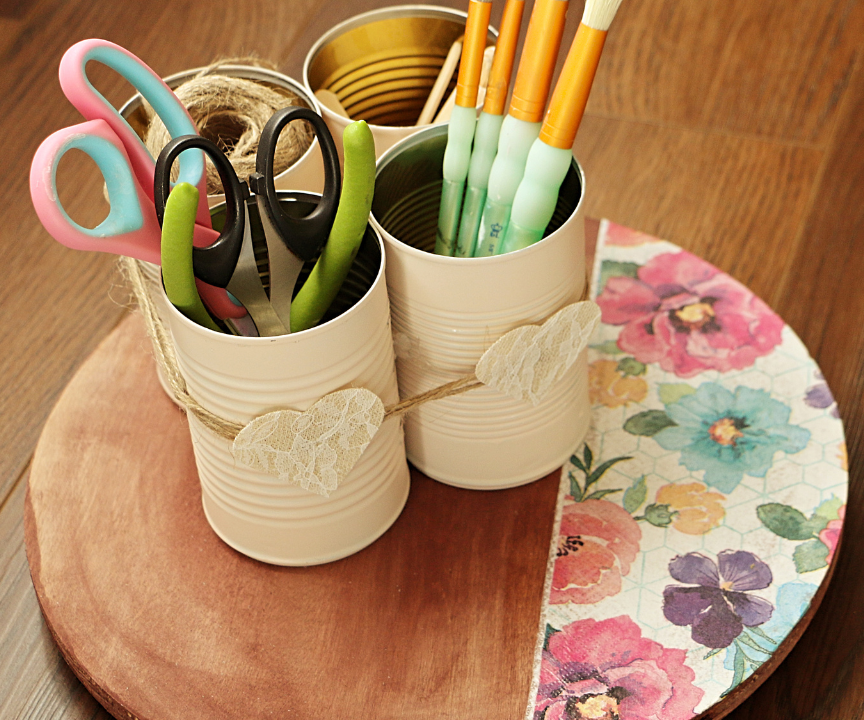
819 396
717 607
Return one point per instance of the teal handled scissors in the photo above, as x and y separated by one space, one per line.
291 241
131 227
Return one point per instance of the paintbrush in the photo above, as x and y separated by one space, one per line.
551 154
460 132
489 128
447 108
522 124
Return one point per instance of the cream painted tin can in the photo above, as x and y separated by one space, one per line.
381 65
306 174
240 378
447 311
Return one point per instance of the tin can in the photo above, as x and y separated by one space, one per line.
447 311
306 174
382 64
240 378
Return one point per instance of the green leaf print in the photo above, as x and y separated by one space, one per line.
785 521
579 492
610 347
828 510
658 515
635 495
809 556
648 423
589 457
550 631
673 392
629 366
613 268
598 473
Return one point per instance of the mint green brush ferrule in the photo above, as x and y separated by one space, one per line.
536 196
482 157
178 277
514 142
457 156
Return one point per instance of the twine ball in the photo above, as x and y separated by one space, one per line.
232 112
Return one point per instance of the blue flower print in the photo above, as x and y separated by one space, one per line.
729 434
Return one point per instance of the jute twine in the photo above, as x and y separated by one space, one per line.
163 349
232 112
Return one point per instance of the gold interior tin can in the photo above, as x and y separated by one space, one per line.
382 65
447 311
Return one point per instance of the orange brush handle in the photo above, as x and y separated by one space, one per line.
505 54
538 60
476 27
573 87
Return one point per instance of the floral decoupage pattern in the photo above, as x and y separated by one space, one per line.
702 513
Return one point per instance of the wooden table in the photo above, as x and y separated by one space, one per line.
733 129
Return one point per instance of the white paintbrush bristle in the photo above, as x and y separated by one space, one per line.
600 13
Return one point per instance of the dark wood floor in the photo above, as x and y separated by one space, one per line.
733 128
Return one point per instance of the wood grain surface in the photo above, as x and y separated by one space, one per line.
733 129
163 620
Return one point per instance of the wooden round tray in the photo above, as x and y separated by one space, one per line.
438 618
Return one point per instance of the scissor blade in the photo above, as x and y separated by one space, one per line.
246 286
285 268
243 326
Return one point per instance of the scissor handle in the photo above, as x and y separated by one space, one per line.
92 105
214 264
131 227
303 236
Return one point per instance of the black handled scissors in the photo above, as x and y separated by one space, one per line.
230 261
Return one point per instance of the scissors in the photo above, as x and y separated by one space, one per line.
131 227
230 261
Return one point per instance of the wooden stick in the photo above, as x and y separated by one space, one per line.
331 101
441 82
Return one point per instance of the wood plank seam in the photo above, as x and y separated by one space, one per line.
22 477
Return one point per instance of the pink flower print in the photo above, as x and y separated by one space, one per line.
597 542
830 536
684 314
626 237
606 670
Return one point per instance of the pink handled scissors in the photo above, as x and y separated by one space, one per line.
93 105
128 168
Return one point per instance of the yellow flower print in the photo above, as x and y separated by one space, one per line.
610 387
698 509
